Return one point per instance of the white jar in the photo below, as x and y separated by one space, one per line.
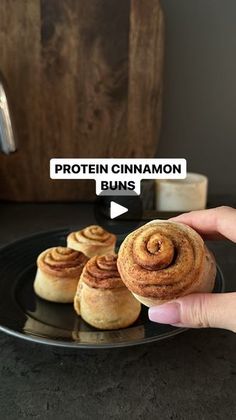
182 194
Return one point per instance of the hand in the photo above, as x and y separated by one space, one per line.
203 310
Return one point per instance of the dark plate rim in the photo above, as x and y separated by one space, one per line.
87 346
78 345
34 235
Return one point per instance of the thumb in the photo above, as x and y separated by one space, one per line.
200 310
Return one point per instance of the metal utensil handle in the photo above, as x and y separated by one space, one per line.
7 141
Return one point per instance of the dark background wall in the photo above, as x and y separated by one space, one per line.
199 120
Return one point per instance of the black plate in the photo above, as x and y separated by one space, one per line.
24 315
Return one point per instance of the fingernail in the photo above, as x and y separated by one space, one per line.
169 313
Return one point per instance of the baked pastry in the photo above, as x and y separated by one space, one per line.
164 260
58 273
92 240
102 299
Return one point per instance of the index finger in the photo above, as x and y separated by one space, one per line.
215 223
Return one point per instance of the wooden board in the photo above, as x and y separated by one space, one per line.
85 79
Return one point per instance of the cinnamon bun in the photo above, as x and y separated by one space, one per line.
164 260
92 240
102 299
58 273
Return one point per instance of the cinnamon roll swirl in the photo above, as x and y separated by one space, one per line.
164 260
92 240
102 299
58 273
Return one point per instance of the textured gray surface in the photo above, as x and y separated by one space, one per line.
192 376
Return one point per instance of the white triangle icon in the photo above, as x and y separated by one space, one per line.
116 210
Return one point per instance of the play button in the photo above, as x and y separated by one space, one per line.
118 214
117 210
